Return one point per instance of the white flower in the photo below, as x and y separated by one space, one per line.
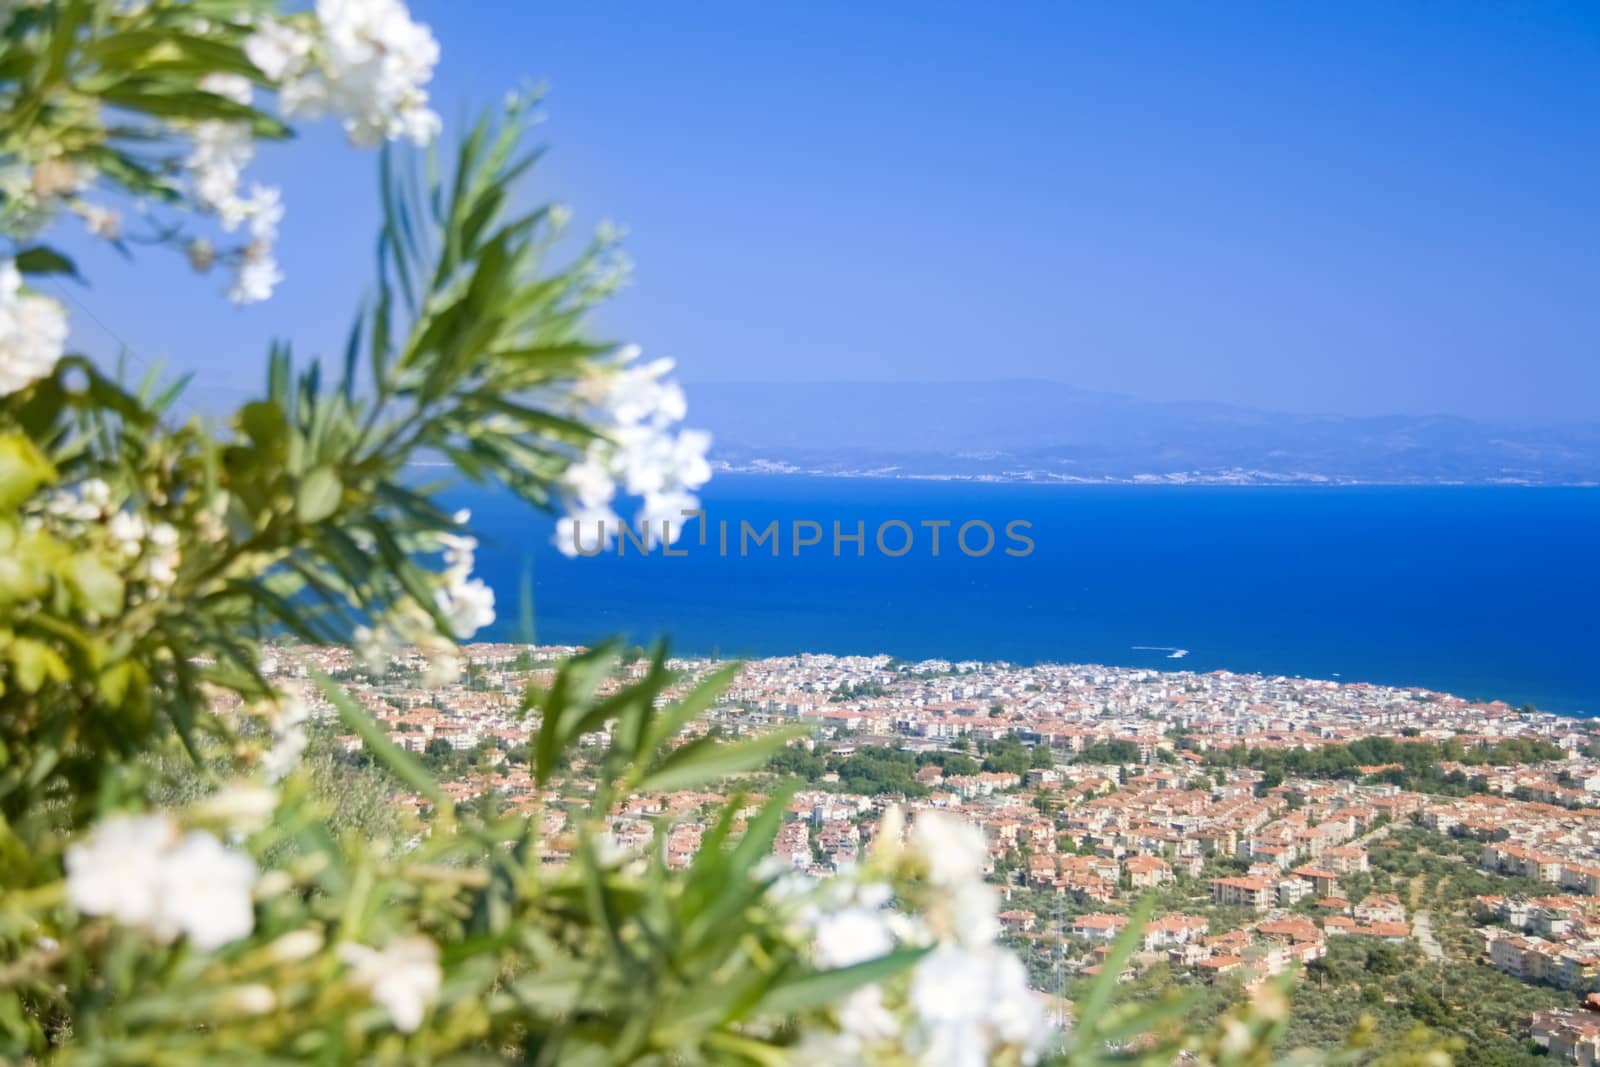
651 461
276 49
377 644
863 1016
459 551
162 555
953 851
288 738
127 532
217 160
138 870
404 977
242 807
369 64
974 914
468 605
863 1020
257 277
418 125
640 394
262 210
444 666
284 756
33 332
154 547
971 1003
690 468
206 893
872 894
662 518
87 504
221 151
640 451
295 946
117 871
853 935
591 481
466 602
375 647
252 999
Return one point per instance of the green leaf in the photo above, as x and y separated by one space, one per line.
824 987
667 724
42 259
98 586
1091 1010
708 758
264 422
23 469
722 884
165 101
36 662
574 687
376 738
319 495
115 680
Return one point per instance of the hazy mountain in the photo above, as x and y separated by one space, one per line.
1047 431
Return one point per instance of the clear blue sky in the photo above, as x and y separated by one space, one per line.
1352 207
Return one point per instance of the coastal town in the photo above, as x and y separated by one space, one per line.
1278 824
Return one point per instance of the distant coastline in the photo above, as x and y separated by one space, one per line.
778 468
1048 432
1292 687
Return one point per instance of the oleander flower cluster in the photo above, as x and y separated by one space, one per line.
149 874
465 604
366 63
641 452
286 725
145 872
966 1001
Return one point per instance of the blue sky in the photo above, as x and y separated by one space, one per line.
1354 207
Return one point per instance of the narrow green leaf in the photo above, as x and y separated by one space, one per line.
1091 1009
376 738
574 687
669 722
708 758
42 259
824 987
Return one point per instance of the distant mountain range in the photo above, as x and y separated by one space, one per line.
1045 431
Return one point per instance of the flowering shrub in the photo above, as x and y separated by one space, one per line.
144 562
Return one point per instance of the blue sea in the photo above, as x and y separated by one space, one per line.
1482 592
